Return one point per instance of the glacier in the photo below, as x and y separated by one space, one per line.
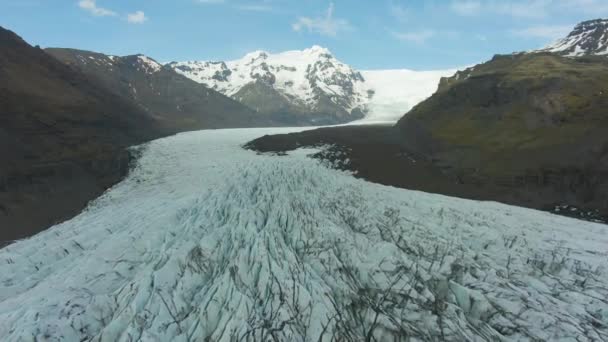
302 75
207 241
397 91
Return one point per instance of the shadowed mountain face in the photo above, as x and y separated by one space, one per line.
178 102
521 120
62 138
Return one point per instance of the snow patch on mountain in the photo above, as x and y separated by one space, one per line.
148 65
300 76
207 241
587 38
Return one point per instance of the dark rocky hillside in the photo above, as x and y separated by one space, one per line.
521 120
174 99
62 138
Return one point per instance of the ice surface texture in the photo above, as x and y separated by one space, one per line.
205 241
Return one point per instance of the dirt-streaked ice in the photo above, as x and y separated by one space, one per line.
205 241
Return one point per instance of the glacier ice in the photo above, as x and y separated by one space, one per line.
206 241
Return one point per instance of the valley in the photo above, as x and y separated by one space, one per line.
205 239
290 196
526 129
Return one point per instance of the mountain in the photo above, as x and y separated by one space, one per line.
313 86
309 85
178 102
526 129
62 138
523 120
588 38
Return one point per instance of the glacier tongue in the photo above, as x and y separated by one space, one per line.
205 241
396 92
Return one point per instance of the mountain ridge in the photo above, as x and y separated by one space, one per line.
64 138
312 81
174 99
524 128
587 38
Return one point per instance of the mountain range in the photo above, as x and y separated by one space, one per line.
309 83
526 128
68 115
313 85
308 87
205 240
174 100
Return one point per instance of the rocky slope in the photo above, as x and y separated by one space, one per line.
526 129
309 85
588 38
177 101
521 120
62 138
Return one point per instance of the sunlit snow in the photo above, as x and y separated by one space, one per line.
206 241
394 91
298 75
397 91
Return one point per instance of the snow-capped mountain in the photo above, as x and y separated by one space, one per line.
314 81
311 80
588 38
179 102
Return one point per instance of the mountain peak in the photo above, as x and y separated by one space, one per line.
317 50
149 64
10 38
591 24
255 55
141 62
587 38
314 51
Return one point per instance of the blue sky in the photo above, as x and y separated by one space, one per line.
371 34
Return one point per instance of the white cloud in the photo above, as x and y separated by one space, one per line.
549 32
466 7
326 25
417 37
91 7
139 17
